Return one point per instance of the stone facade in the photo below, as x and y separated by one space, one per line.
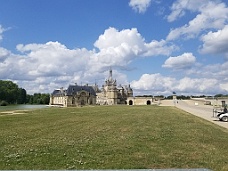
108 94
215 101
111 94
140 100
74 95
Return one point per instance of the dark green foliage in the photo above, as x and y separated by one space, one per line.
21 96
179 97
221 95
29 99
183 97
3 103
11 93
38 98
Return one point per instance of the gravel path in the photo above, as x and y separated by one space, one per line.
14 112
200 110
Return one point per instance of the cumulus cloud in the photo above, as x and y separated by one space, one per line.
184 61
52 63
119 48
199 85
211 15
129 43
215 42
140 6
45 67
43 64
53 59
113 38
157 84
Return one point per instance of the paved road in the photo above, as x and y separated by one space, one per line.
200 110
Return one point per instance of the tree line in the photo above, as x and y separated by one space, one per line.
10 93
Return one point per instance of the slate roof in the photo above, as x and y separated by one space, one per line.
58 92
72 89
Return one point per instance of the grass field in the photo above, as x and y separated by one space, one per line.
111 137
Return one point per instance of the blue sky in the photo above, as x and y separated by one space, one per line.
157 46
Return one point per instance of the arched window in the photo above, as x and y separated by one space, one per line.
130 102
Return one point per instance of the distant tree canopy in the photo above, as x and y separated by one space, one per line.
179 97
38 98
10 93
221 95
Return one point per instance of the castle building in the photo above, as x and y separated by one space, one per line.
111 94
75 95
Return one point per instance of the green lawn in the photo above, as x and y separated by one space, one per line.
111 137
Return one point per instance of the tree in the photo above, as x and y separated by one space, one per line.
29 99
21 96
9 92
45 98
219 95
38 98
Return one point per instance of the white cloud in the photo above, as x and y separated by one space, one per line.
4 53
157 84
44 62
215 42
215 71
203 86
113 38
211 15
224 86
179 8
140 5
129 43
45 67
1 32
153 83
184 61
54 60
119 48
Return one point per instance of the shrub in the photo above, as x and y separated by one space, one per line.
3 103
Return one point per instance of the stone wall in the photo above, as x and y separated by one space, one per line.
140 101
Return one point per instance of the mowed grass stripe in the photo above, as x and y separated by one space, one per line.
111 137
